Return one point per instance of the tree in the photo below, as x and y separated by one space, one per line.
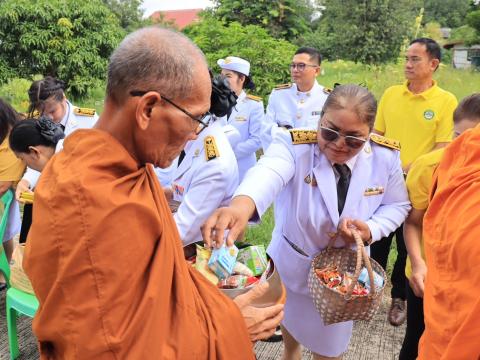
473 20
448 13
128 13
268 57
68 39
368 31
288 19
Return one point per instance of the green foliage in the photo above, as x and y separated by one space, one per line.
464 33
128 13
15 93
448 13
473 20
288 19
364 31
268 57
68 39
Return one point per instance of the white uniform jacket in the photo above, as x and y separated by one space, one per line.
291 108
309 216
247 117
203 185
73 120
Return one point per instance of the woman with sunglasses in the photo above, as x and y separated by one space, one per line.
329 181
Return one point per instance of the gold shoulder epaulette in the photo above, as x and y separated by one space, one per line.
84 111
327 90
382 140
303 136
211 150
283 86
254 98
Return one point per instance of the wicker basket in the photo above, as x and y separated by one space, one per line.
333 306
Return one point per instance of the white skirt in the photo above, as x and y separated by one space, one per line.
14 222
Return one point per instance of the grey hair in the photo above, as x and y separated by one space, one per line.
153 58
355 98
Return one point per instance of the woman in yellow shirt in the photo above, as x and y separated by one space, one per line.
11 171
419 181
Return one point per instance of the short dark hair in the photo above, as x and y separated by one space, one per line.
45 89
433 49
469 108
312 52
8 118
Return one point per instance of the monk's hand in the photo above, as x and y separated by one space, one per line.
233 218
261 322
417 279
345 231
22 186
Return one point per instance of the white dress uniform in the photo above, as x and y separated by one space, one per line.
205 180
291 108
247 117
74 118
307 182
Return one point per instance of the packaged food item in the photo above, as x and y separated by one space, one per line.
242 269
201 264
27 197
223 260
364 279
254 257
251 280
340 282
233 282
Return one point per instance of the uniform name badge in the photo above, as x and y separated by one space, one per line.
374 190
178 189
240 118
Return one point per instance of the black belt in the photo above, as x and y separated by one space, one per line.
295 247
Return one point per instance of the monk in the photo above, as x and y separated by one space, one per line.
103 254
451 233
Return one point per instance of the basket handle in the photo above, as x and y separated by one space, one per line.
361 253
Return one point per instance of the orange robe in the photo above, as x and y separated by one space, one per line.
106 263
452 249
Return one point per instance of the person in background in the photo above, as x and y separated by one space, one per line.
419 183
11 171
314 171
247 115
418 114
298 104
113 266
47 97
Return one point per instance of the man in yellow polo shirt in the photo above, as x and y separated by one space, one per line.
417 113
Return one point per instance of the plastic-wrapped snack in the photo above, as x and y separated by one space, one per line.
233 282
223 260
255 258
201 264
365 280
242 269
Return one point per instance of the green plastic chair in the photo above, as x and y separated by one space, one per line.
18 302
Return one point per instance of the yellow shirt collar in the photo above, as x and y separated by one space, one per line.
426 94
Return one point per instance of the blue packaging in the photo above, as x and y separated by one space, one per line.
365 280
223 260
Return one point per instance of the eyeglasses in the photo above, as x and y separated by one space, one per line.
300 66
332 135
202 124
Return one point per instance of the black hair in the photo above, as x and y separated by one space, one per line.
45 89
314 54
8 118
469 108
34 132
433 49
248 83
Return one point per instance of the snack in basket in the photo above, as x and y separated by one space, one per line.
255 258
365 280
340 282
223 260
27 197
201 264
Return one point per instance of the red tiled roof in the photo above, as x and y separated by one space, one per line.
181 18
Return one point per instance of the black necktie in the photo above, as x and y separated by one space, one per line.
342 185
62 126
180 158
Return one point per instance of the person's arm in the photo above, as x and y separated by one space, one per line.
31 177
253 143
412 231
257 191
4 186
22 186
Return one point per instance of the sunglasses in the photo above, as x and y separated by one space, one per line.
352 142
202 123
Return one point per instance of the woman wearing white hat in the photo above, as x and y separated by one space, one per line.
247 116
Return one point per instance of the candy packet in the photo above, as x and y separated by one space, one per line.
223 260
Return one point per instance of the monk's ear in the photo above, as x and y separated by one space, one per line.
146 108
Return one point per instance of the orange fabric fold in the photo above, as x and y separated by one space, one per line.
451 235
106 263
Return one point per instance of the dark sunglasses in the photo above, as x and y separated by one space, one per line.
330 135
202 124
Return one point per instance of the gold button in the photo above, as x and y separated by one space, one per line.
302 101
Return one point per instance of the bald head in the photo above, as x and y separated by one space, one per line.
154 58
